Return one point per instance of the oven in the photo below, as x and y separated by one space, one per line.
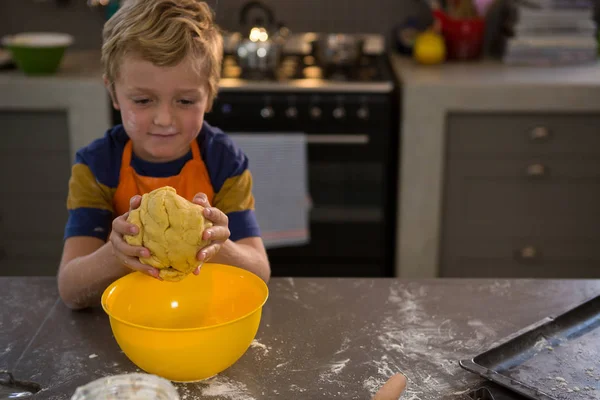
352 146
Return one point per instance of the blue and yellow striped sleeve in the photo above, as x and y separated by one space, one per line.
93 181
227 166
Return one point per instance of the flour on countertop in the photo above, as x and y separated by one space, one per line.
221 387
256 344
332 370
345 346
296 388
410 336
7 350
291 282
292 290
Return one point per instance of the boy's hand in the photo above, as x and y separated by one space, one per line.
217 234
127 254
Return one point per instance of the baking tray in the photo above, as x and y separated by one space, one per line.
491 391
557 358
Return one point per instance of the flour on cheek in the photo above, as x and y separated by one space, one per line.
130 121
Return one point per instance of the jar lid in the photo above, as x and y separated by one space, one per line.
134 386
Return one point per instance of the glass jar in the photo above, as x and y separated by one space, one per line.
135 386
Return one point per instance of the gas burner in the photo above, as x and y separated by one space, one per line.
256 75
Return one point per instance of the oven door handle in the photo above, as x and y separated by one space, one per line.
337 139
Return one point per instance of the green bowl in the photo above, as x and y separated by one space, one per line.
38 53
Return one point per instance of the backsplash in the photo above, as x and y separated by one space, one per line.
347 16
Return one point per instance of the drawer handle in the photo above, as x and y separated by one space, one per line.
536 170
527 253
540 133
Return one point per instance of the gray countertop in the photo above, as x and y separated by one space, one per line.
490 73
319 338
429 94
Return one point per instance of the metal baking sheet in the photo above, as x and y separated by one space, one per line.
557 358
491 391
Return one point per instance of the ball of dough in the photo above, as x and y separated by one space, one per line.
171 228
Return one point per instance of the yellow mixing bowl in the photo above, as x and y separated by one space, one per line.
188 330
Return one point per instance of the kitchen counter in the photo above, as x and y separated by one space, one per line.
319 338
429 94
76 89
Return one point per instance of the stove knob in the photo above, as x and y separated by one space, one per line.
363 113
267 112
291 112
339 113
315 112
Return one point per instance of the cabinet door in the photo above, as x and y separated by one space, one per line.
35 166
514 207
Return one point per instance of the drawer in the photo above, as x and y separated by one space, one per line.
514 134
39 172
522 258
530 170
31 131
495 198
27 216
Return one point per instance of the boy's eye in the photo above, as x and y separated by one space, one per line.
187 102
141 101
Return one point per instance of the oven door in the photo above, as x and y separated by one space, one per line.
347 218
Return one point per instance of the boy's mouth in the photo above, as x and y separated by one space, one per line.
162 134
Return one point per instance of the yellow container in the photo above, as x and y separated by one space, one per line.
189 330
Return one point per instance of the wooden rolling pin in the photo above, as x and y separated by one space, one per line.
392 389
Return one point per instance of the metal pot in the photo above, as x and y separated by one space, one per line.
261 46
337 50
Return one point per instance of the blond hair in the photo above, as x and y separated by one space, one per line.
165 32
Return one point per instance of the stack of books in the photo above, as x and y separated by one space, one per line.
552 32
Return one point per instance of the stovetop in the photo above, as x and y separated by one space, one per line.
295 67
298 70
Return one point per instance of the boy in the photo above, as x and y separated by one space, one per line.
162 62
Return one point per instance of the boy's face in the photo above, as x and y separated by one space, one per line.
162 108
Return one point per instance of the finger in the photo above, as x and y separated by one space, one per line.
201 199
121 246
392 389
197 270
216 233
209 251
121 226
135 202
134 264
217 216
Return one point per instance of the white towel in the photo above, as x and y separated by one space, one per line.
278 163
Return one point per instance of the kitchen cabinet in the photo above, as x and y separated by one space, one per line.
521 195
44 120
498 170
35 165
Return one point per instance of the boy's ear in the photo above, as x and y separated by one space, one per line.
111 91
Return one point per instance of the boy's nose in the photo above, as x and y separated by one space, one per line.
163 116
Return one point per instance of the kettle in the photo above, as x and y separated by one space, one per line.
261 46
